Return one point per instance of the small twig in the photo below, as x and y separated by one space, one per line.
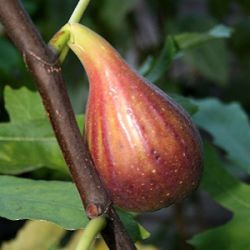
42 63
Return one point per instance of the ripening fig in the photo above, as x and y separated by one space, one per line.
145 147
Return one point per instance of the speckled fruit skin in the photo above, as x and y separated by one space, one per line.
145 147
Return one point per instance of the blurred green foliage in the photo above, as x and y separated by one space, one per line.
139 29
192 48
231 194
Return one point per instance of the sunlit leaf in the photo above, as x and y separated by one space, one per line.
28 141
23 104
28 145
38 235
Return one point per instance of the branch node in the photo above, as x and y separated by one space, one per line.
51 67
94 210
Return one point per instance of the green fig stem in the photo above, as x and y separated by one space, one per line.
75 18
60 39
63 54
78 11
59 43
93 228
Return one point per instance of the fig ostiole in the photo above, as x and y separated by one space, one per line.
145 147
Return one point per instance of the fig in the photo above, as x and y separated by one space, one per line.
145 147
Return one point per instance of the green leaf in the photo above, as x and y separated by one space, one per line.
207 53
192 40
144 234
54 201
229 126
162 63
23 104
231 194
26 146
135 230
221 31
28 141
211 60
39 235
192 45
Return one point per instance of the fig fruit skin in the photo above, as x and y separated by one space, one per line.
145 147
